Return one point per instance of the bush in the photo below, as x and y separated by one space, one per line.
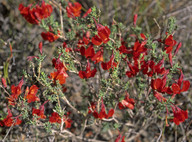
127 79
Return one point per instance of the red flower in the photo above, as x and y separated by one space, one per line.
176 87
103 35
139 48
102 114
40 47
85 41
88 12
3 80
31 94
60 75
96 40
159 97
73 10
58 64
127 102
109 64
49 36
36 14
89 52
66 48
135 19
160 84
16 91
98 57
177 49
55 118
179 115
169 42
150 68
29 58
92 108
134 69
88 73
123 49
119 137
9 121
67 121
39 112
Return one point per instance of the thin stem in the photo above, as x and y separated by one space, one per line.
5 90
61 20
8 131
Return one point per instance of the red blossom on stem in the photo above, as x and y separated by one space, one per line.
119 138
9 121
40 47
169 43
150 68
139 48
127 102
177 87
88 73
160 84
55 118
98 57
102 114
51 37
123 49
89 52
3 80
30 58
135 19
177 49
87 13
31 94
16 91
103 34
60 74
159 97
36 14
73 10
39 112
179 115
134 69
109 64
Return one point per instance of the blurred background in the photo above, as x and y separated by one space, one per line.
25 37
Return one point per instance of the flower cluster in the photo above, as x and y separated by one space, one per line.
102 114
37 13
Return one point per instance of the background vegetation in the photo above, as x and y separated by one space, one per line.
25 39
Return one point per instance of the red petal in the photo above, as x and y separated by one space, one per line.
96 40
4 82
168 49
82 50
88 12
170 59
175 88
90 52
110 113
120 105
40 47
186 85
177 49
156 84
135 19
